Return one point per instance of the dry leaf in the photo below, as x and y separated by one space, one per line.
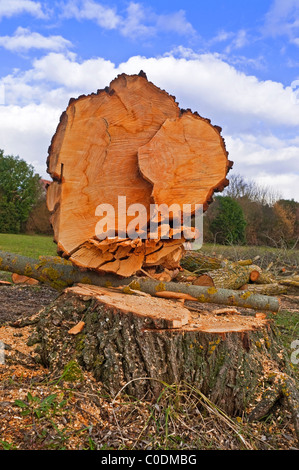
77 328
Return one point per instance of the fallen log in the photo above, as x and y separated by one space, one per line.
289 282
232 276
60 273
127 145
198 262
265 289
265 277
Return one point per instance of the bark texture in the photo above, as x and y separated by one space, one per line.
145 343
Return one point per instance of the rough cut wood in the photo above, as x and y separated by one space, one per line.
130 140
18 279
177 161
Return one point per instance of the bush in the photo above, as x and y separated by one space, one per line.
19 190
228 225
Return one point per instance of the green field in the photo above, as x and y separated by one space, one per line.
28 245
40 245
264 254
32 246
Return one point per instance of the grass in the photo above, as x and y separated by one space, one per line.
266 254
32 246
28 245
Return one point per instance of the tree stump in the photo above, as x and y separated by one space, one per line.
142 342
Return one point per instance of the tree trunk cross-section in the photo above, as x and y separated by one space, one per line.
144 343
130 140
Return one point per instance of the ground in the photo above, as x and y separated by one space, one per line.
39 411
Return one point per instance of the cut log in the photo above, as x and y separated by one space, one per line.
116 149
143 343
265 289
185 173
60 273
18 279
232 276
197 261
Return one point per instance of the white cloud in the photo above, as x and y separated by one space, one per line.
137 21
175 22
260 119
23 40
105 17
26 131
240 40
9 8
282 19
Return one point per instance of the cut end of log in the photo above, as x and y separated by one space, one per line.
25 280
165 311
161 313
132 142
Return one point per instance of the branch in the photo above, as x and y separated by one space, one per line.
60 273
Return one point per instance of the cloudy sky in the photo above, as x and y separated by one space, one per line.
235 62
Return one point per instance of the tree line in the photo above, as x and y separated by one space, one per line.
248 213
245 213
23 206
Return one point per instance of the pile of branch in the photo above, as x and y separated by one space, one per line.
204 270
60 273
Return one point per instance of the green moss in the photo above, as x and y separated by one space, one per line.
160 287
135 285
246 295
80 345
201 298
127 290
86 280
212 290
28 271
72 372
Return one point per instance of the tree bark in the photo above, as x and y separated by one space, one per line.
145 343
265 289
232 276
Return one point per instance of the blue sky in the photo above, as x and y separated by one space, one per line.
236 62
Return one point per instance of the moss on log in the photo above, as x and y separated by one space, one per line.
60 274
232 276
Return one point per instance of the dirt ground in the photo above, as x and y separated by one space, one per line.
22 301
39 411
